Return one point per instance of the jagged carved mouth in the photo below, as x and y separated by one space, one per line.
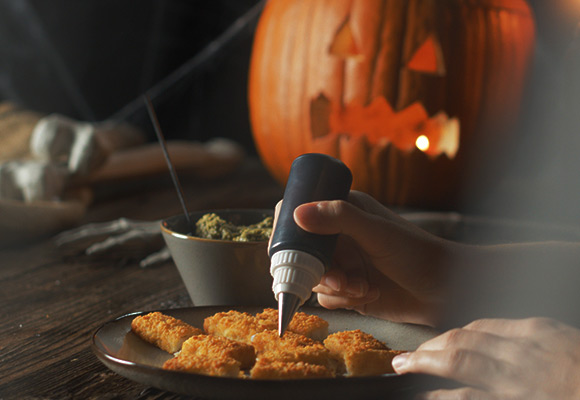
408 129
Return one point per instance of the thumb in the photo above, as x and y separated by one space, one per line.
341 217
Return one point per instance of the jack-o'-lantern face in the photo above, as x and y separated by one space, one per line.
408 128
404 92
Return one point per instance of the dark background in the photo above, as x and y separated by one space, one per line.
93 59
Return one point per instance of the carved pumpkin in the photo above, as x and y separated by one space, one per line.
409 94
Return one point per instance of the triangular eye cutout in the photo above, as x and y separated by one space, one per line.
343 44
428 58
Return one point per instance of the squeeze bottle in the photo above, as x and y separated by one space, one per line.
299 258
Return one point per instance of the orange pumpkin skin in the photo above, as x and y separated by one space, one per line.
297 76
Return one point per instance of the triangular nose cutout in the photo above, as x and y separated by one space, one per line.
343 44
428 58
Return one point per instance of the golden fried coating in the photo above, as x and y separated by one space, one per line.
222 366
355 340
215 347
234 325
268 319
304 324
291 347
268 369
163 331
235 343
359 353
370 362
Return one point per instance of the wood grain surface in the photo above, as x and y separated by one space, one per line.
53 299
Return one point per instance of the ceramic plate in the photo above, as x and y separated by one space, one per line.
126 354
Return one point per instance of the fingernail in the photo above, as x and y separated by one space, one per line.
399 361
309 209
332 282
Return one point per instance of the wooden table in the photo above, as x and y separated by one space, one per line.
53 300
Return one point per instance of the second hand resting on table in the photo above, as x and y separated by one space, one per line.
389 268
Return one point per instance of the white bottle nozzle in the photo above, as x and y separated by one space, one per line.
295 272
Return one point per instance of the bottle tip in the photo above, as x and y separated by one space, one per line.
288 304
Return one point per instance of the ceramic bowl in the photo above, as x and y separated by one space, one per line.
221 272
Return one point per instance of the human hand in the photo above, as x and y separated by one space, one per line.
384 265
535 358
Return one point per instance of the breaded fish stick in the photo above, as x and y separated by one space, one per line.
216 347
360 354
308 325
223 366
163 331
291 347
267 369
235 325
